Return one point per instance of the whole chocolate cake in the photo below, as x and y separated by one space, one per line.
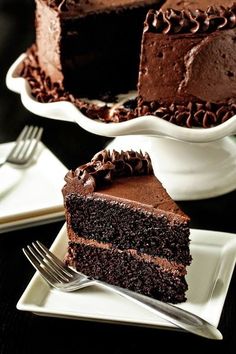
183 68
124 228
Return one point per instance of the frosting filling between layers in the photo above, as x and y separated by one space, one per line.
163 263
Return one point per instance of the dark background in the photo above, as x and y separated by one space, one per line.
16 35
22 332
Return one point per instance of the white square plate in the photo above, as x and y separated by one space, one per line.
209 276
31 195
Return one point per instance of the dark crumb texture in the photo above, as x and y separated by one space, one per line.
129 228
121 269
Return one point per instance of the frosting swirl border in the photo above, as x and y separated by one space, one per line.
107 165
173 21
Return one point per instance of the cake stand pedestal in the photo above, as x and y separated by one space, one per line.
192 163
188 171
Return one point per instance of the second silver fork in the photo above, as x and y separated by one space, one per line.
64 278
25 146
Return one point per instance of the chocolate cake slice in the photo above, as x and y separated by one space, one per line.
124 228
187 69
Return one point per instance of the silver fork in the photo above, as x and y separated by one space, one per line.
25 146
63 278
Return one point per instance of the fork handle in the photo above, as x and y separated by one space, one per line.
179 317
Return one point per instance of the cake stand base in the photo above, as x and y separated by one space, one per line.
188 171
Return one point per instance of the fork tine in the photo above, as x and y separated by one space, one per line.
56 260
37 137
28 139
29 143
37 265
45 265
21 137
34 139
25 145
61 273
47 262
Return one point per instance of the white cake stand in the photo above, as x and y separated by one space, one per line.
192 163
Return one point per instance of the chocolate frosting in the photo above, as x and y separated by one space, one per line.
107 165
193 114
173 21
198 114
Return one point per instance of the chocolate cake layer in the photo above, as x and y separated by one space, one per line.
124 270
